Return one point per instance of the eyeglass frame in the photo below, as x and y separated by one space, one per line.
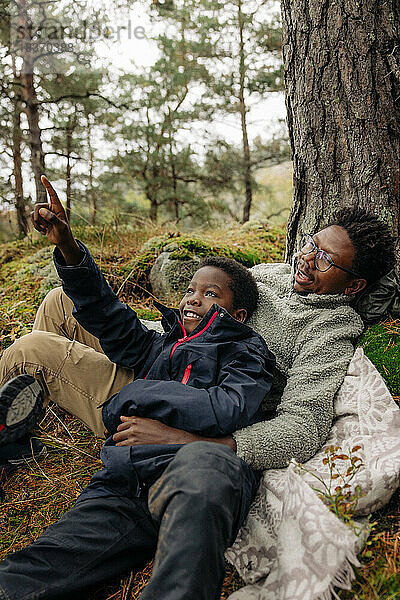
326 254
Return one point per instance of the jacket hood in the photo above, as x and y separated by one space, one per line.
217 322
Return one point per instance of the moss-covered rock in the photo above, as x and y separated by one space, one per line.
166 255
170 276
381 343
40 266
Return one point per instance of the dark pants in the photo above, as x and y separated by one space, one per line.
191 516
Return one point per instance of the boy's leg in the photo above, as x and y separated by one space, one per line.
76 376
200 502
97 539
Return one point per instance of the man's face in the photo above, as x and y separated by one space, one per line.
209 285
308 279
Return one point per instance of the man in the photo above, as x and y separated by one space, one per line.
309 325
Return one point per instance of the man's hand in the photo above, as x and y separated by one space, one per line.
50 219
136 431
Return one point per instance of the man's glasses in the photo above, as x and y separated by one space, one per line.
322 261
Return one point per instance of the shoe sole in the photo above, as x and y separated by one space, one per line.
21 403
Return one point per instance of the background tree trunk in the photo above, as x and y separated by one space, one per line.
20 204
68 173
246 150
342 77
29 96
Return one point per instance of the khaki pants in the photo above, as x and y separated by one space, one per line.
67 360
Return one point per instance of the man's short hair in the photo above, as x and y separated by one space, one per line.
242 283
372 240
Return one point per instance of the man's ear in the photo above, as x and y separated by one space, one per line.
355 286
240 314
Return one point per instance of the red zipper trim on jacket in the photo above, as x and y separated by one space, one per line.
184 333
2 426
186 375
191 337
183 329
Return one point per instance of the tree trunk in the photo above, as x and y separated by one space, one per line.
20 206
175 199
31 102
153 207
92 193
68 174
242 104
153 212
342 76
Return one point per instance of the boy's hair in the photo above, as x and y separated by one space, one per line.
372 240
242 283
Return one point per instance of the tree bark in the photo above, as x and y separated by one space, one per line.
92 193
30 98
20 205
151 196
246 150
342 77
68 173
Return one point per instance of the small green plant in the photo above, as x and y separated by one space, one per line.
338 493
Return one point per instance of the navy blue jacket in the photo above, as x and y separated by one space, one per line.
211 382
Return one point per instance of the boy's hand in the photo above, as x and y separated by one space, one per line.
50 219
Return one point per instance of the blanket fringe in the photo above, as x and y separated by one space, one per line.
342 579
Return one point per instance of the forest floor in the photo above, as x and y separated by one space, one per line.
39 494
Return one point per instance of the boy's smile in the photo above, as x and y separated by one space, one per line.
209 285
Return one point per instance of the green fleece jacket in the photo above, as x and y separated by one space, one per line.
312 337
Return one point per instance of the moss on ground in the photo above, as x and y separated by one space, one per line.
381 343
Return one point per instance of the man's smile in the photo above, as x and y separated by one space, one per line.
303 276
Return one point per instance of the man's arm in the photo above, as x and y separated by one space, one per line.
243 383
139 431
305 414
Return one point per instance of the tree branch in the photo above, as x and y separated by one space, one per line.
87 95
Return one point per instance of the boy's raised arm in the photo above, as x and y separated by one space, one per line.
50 220
122 336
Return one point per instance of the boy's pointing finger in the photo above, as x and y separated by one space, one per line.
55 203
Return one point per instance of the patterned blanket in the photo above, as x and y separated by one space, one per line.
292 546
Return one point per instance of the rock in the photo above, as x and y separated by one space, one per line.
170 277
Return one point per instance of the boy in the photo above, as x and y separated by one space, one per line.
207 374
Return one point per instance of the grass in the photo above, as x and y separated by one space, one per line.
38 494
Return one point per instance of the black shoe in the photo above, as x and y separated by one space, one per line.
21 405
18 454
23 451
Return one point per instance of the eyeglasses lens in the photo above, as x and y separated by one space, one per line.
322 262
306 244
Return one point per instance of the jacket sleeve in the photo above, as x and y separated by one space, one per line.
304 416
243 383
124 339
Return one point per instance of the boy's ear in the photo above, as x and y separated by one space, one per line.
240 314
